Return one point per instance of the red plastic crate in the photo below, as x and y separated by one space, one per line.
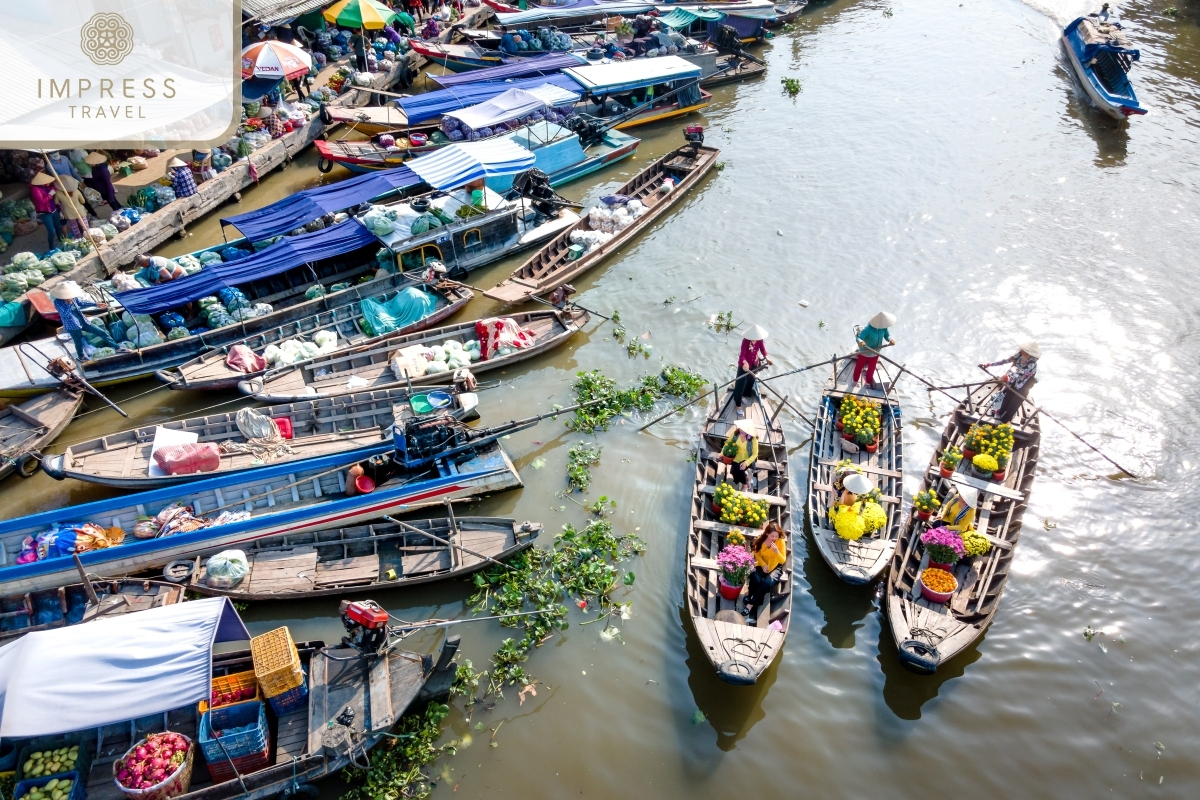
223 771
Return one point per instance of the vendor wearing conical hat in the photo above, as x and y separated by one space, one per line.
1018 381
753 356
744 437
74 207
41 194
69 302
870 340
101 179
959 513
854 485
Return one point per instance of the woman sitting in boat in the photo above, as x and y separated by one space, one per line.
156 269
1018 381
852 486
870 342
770 552
745 438
69 301
959 513
364 476
752 357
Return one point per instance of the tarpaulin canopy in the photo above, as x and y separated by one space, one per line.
543 65
680 18
430 105
291 251
584 8
456 164
513 104
622 76
303 207
112 670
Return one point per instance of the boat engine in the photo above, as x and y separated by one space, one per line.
534 185
423 438
366 625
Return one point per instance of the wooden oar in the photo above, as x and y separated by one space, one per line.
459 547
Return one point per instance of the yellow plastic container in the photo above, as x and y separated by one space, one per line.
276 662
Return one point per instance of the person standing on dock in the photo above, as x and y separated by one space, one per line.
753 356
69 302
870 342
1018 381
41 194
101 179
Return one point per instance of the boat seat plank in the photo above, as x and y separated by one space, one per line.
989 487
292 738
825 487
771 500
347 571
285 571
769 466
891 473
380 695
426 562
703 563
317 707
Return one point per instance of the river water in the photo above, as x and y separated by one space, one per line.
942 163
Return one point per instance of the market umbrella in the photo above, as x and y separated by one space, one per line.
359 14
276 60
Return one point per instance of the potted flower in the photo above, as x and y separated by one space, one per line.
950 461
1002 467
926 502
723 496
975 545
976 438
735 563
873 516
945 547
938 585
984 465
848 522
729 452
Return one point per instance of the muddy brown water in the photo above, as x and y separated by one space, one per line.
940 162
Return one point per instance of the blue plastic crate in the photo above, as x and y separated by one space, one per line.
292 699
77 788
234 745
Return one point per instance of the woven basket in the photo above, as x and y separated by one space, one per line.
173 786
276 662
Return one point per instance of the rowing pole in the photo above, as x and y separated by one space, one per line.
544 302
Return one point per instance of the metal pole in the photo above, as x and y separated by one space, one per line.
415 529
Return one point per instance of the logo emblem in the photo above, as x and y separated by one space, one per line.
106 39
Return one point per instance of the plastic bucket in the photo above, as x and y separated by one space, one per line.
420 404
364 484
439 399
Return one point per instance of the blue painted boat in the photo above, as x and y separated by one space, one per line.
286 498
561 156
1100 55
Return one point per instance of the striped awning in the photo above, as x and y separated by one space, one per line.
680 18
457 164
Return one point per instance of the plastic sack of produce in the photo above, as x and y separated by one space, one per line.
408 307
226 569
210 257
232 297
314 291
497 332
177 333
22 261
119 222
184 459
34 277
234 253
325 340
409 362
243 359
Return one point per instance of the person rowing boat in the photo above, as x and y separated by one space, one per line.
870 341
1018 381
753 357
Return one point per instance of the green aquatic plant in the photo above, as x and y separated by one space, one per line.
581 457
791 86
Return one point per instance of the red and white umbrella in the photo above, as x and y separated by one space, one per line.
274 60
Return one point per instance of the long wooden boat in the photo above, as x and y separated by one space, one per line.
71 605
377 690
738 651
373 120
863 560
359 423
23 374
552 266
279 498
209 371
1100 54
369 367
32 425
788 11
928 634
466 56
365 558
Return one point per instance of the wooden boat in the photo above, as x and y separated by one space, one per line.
552 266
279 498
71 605
373 120
29 427
23 375
354 560
863 560
469 55
306 745
929 634
210 372
786 12
1100 54
742 71
359 423
738 651
369 367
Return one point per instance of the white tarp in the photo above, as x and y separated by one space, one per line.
513 104
632 74
113 670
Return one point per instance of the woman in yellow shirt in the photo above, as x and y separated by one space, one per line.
959 513
770 553
745 437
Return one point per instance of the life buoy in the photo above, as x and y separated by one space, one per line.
28 464
326 117
405 78
918 656
324 165
736 672
178 571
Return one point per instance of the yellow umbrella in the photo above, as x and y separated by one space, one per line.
359 14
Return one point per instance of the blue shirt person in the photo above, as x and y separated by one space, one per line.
870 340
69 301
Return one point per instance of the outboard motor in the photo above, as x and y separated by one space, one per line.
366 625
424 438
694 135
534 185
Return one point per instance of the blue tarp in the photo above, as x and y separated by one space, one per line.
292 251
455 164
303 207
584 8
423 107
545 65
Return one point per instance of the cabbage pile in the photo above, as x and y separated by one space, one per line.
156 758
140 331
295 350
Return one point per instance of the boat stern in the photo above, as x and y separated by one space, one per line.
54 466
